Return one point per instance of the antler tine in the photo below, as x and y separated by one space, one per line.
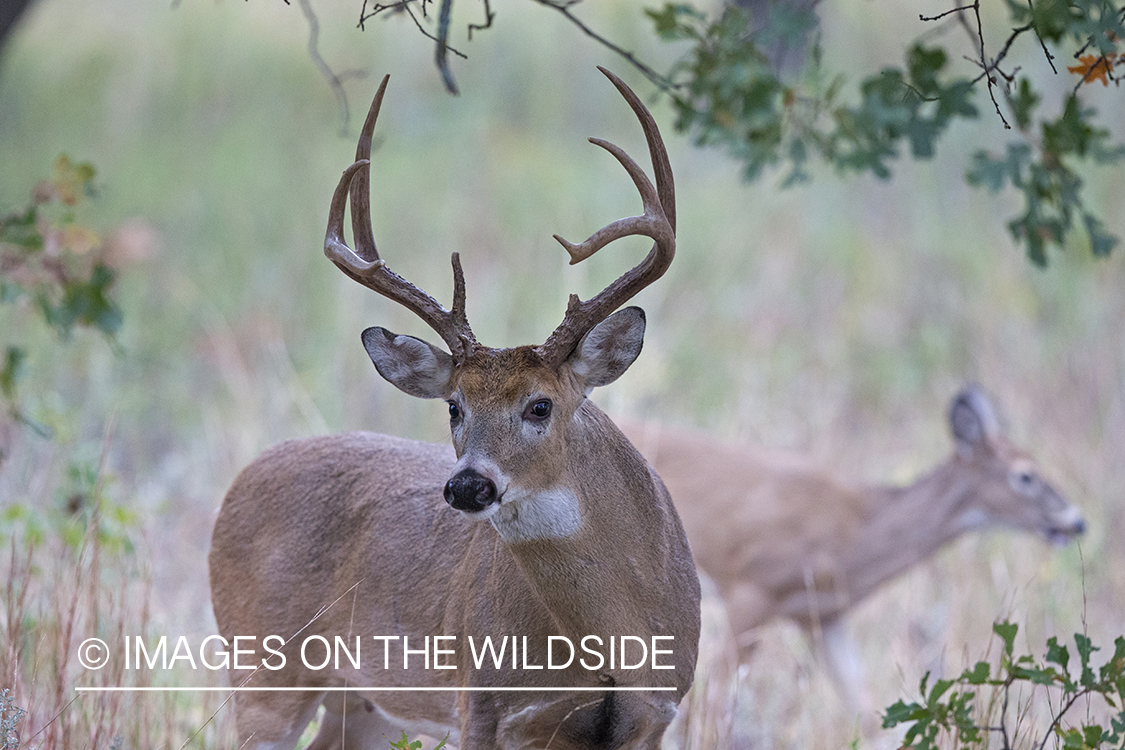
651 223
364 264
657 222
361 182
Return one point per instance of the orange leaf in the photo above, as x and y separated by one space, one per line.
1094 68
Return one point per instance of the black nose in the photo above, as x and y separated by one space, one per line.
470 491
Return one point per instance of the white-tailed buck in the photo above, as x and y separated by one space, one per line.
565 538
781 537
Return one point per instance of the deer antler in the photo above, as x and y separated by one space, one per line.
658 222
364 264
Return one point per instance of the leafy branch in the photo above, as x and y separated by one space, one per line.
406 744
52 267
947 707
730 94
729 91
10 716
417 11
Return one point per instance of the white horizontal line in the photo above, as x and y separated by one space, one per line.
81 689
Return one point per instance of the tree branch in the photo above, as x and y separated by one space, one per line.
488 16
336 82
443 46
563 7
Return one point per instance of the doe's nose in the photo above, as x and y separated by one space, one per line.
470 491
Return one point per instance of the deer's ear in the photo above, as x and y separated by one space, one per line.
606 352
411 365
972 420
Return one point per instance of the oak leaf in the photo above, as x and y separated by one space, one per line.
1094 68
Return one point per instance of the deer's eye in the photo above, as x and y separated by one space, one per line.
539 410
1023 480
454 411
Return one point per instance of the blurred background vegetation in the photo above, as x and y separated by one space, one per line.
836 318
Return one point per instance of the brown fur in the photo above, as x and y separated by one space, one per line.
311 519
782 537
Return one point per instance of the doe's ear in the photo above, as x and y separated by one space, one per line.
607 350
972 420
411 365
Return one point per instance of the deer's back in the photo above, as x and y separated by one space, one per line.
769 527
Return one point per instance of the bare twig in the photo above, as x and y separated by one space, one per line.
377 8
984 64
427 34
563 7
941 15
976 34
1004 714
1062 712
1050 57
335 81
488 16
1008 44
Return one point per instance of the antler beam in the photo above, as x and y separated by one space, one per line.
657 222
364 265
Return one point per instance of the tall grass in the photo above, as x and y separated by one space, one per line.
836 319
75 575
56 606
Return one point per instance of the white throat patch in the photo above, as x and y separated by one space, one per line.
975 518
525 516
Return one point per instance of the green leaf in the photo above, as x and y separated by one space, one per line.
22 230
784 23
901 712
406 744
84 302
1024 102
923 65
1071 739
955 100
1072 132
14 358
978 675
1085 648
1047 676
1007 632
1115 667
1051 18
1118 725
1092 735
669 21
1056 653
988 171
939 689
1101 241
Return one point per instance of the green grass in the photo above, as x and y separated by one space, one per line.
837 319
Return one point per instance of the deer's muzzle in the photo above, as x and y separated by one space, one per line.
470 491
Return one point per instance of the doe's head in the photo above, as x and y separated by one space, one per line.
1009 488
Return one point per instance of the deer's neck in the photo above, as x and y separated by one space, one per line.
907 524
613 575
